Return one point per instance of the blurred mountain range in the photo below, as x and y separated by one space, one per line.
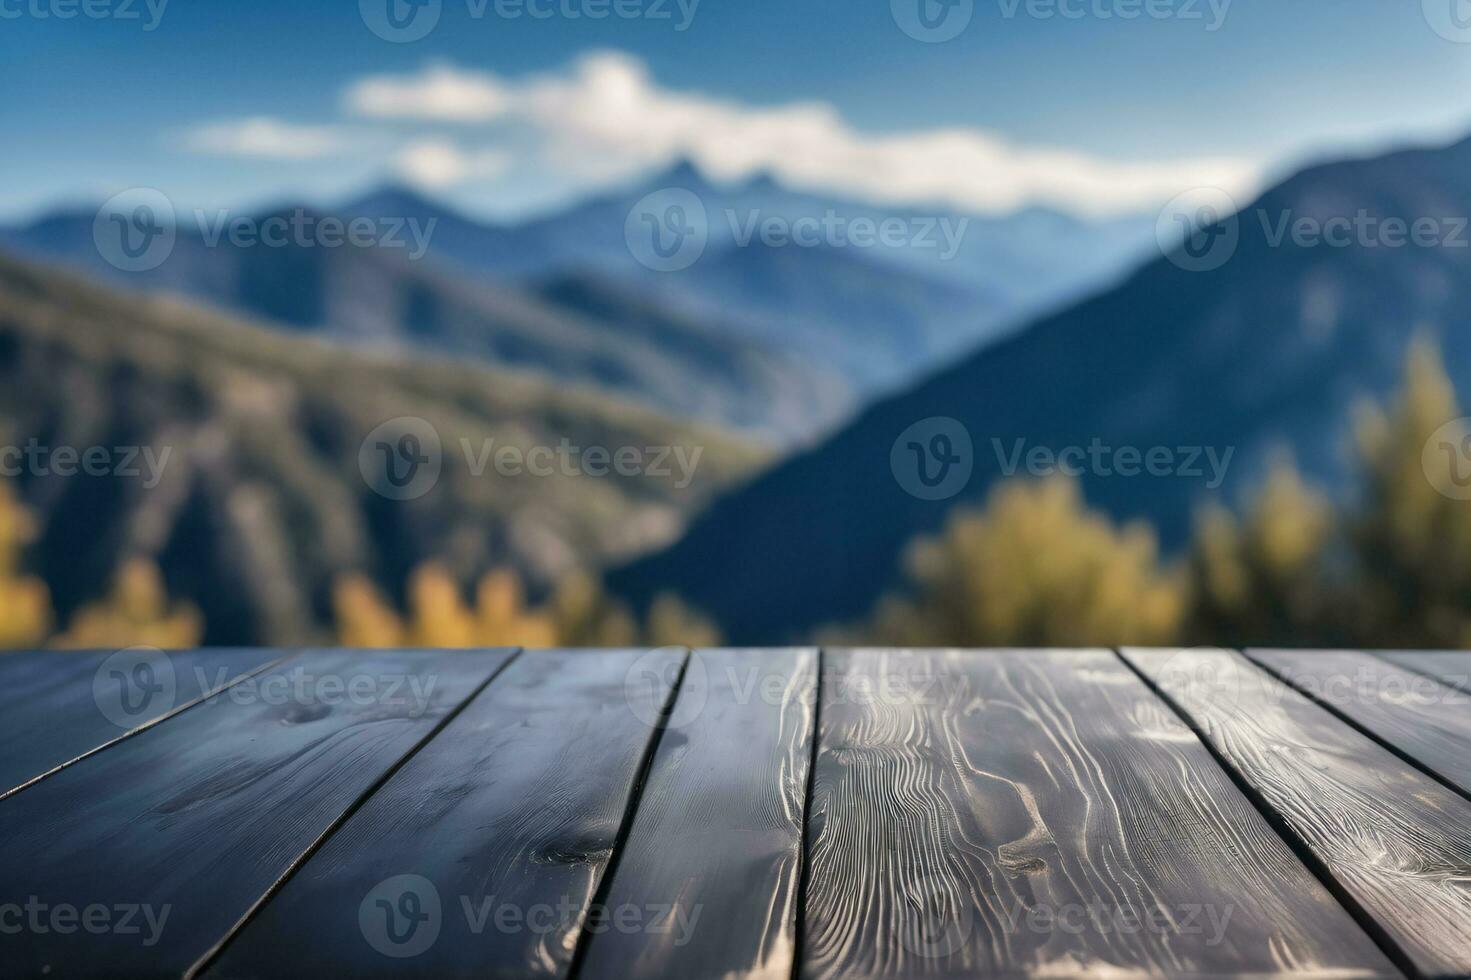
879 314
1267 345
232 454
778 341
1219 360
580 328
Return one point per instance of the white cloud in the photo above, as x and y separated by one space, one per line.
263 136
441 93
436 163
606 118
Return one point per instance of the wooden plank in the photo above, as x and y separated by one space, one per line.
1418 716
1450 668
714 855
1397 842
1043 814
182 827
481 856
60 705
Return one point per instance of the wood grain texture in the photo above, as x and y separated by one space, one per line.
1042 814
479 858
715 851
198 816
58 705
1397 841
1419 716
1450 668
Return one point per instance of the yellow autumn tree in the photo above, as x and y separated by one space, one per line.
137 612
503 617
587 617
438 615
25 602
674 623
579 613
1262 579
365 618
1412 534
1035 567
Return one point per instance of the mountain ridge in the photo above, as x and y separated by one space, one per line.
857 320
1270 351
381 296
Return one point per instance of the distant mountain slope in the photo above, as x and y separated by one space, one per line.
835 297
262 500
1273 348
1029 256
678 363
780 340
876 324
738 381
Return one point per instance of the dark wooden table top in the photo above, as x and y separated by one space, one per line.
735 813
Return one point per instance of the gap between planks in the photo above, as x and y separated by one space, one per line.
204 696
1401 754
630 813
1299 846
306 855
804 874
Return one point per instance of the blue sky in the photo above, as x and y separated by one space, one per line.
224 103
